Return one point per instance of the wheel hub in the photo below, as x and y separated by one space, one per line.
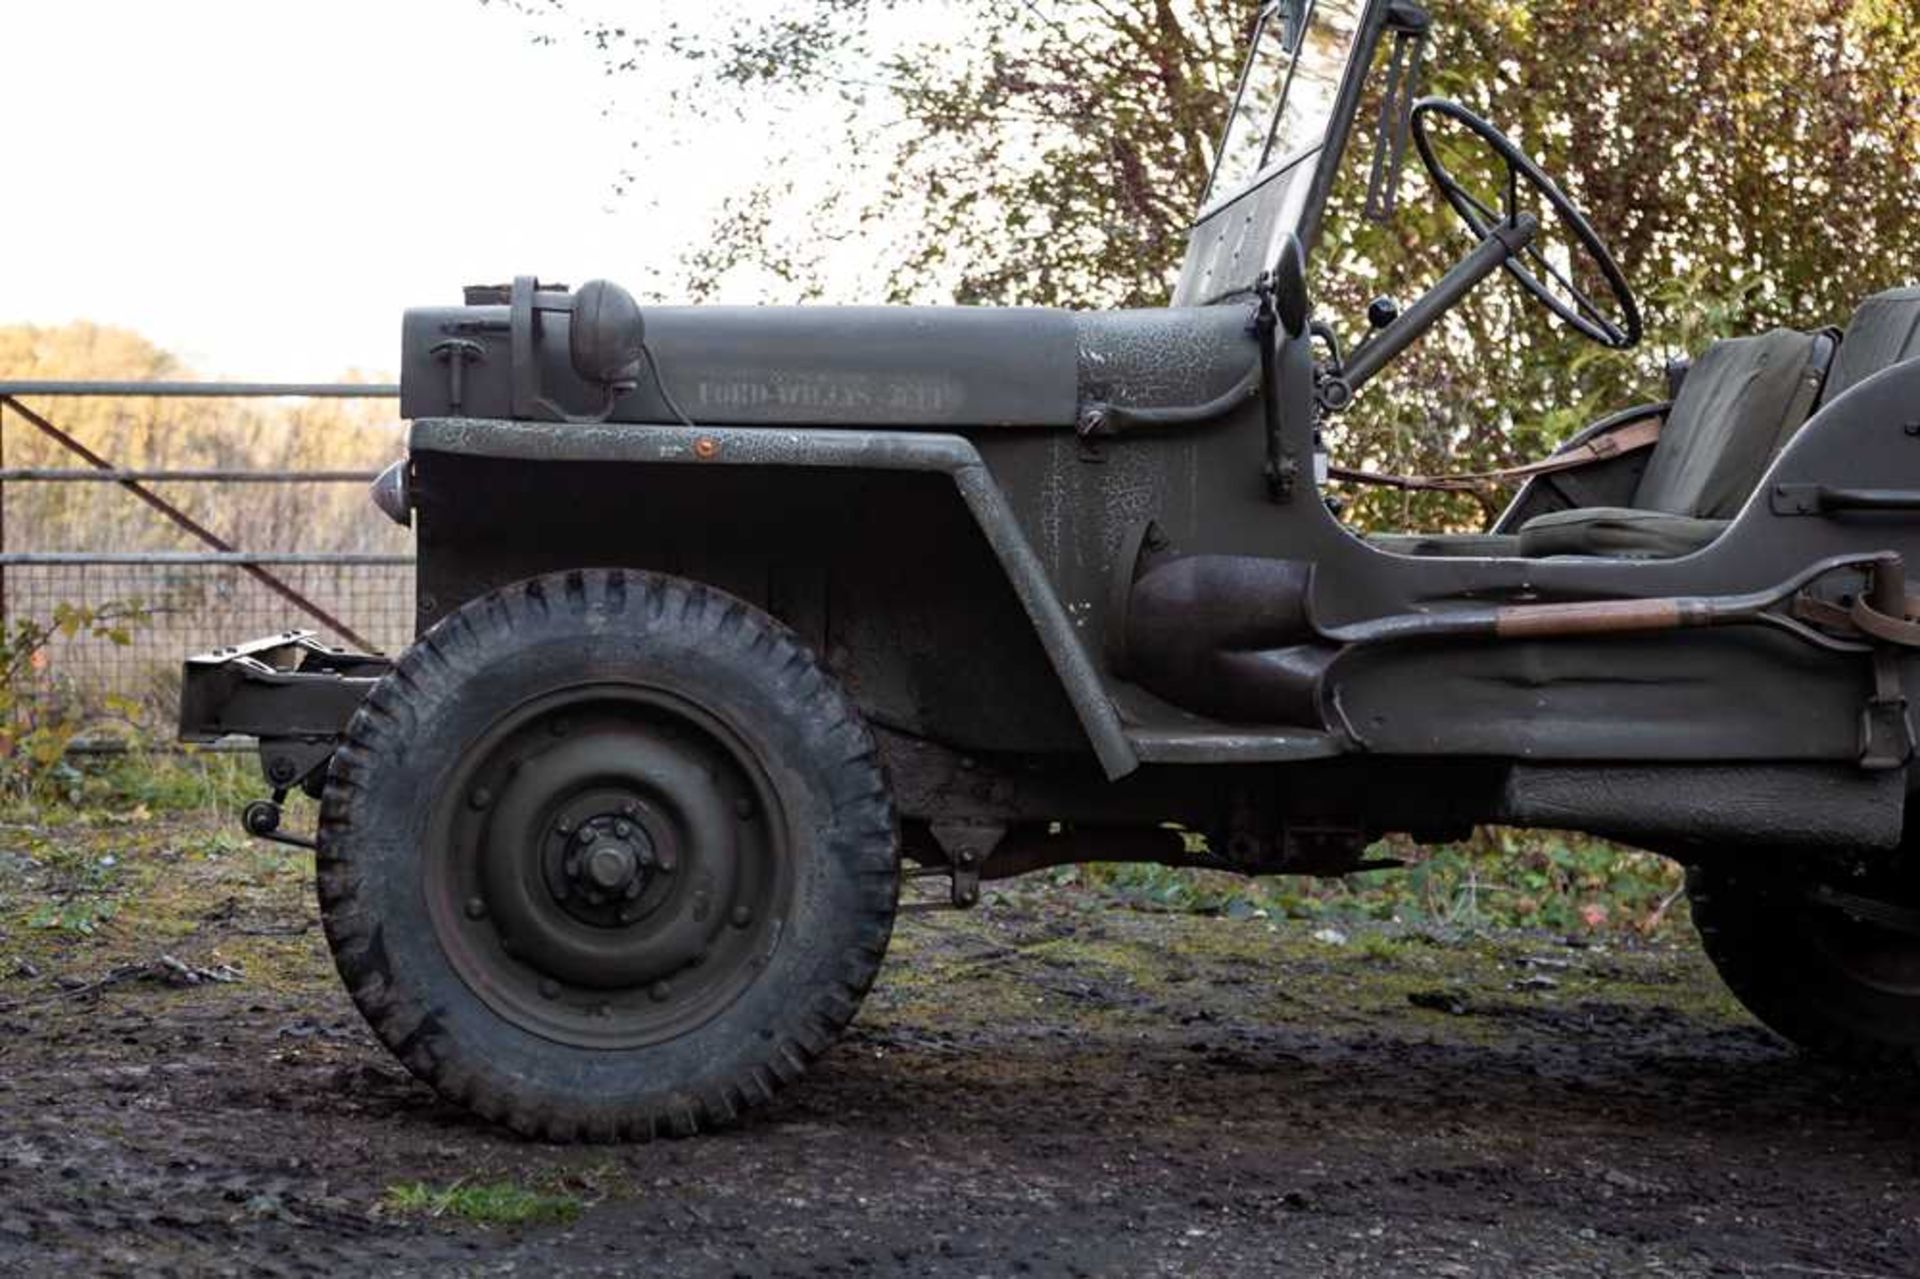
613 867
623 873
608 858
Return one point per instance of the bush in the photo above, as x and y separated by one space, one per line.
41 713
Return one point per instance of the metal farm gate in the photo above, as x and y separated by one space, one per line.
189 600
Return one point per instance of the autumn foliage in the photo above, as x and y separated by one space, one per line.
1753 162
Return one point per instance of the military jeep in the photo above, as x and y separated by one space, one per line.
731 619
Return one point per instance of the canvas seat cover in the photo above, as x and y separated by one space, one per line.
1617 531
1490 545
1742 402
1885 331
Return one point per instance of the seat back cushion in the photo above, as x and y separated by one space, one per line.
1741 402
1884 332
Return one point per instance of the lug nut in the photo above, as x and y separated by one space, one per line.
476 909
743 808
621 830
481 797
549 988
660 992
742 916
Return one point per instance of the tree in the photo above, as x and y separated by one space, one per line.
1012 152
1753 162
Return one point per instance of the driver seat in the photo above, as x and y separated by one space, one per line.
1739 405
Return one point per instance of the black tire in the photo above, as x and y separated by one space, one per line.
1836 986
607 854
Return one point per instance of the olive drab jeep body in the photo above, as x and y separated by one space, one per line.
730 618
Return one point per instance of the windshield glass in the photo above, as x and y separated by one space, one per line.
1286 97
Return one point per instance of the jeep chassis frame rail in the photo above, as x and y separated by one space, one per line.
290 692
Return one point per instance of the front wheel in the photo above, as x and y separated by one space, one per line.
1835 968
607 854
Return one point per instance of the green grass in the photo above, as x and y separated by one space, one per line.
1499 879
499 1203
137 783
180 781
80 916
142 853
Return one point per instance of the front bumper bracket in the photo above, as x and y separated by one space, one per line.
293 695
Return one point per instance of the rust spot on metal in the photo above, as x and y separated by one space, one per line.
706 449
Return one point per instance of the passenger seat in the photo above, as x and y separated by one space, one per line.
1739 405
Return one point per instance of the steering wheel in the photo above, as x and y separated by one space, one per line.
1577 308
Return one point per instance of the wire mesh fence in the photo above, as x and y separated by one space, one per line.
274 546
173 607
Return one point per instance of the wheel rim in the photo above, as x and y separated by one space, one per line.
608 866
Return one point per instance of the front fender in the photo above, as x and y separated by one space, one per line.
952 456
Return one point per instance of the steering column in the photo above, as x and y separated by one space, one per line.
1502 244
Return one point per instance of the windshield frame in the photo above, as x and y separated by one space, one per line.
1332 136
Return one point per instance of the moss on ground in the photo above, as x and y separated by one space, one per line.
155 864
1107 968
496 1203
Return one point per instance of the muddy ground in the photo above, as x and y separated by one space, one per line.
1051 1085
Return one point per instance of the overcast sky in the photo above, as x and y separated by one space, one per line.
261 188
